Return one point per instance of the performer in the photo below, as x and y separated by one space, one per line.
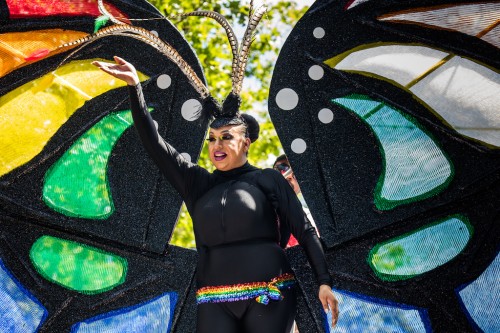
244 280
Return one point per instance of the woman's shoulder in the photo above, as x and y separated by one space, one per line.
268 172
269 178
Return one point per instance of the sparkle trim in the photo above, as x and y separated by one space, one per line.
263 292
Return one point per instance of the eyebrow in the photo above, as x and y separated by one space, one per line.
223 132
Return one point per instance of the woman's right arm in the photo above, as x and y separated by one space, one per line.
181 173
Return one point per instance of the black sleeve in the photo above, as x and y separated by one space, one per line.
290 211
186 177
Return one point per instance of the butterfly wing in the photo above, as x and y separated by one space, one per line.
86 216
387 113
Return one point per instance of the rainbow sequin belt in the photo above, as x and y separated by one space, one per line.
263 292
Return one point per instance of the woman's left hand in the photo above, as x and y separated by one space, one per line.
329 302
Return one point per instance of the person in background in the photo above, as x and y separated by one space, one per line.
283 166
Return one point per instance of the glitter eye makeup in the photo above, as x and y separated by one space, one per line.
224 137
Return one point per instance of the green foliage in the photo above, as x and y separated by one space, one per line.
183 234
212 48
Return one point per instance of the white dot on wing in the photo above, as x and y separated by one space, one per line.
298 146
316 72
325 116
287 99
191 109
319 32
164 81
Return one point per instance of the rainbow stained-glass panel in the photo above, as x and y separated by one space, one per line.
20 311
76 266
481 298
415 167
152 316
32 113
369 315
76 185
43 8
422 250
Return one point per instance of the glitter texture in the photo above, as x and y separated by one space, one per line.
261 291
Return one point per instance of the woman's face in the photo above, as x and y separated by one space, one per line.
228 147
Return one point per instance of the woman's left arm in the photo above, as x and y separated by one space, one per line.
291 213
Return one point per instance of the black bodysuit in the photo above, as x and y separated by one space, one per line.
236 217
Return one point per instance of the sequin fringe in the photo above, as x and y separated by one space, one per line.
263 292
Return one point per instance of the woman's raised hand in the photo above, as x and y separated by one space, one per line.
329 302
121 70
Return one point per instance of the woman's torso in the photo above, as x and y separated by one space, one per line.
237 234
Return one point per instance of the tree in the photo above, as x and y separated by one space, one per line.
212 48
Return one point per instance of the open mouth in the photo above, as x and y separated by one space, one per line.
219 156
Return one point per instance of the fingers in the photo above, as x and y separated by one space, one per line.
121 69
331 305
119 60
325 305
102 66
335 311
97 63
105 66
329 302
334 307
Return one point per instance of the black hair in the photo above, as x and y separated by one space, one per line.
229 114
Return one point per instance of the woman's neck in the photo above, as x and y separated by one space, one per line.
246 167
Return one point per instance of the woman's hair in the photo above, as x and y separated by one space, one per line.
248 122
229 114
252 127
